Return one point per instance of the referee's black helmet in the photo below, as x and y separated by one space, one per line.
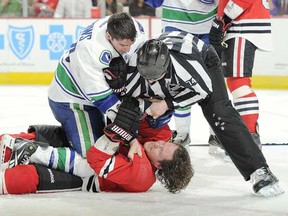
153 59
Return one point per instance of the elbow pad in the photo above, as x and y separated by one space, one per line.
233 10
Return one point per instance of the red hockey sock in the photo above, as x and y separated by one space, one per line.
245 100
20 179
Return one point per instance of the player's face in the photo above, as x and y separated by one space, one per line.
158 151
122 46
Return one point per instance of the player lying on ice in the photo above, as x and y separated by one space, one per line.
117 170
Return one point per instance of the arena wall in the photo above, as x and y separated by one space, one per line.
30 50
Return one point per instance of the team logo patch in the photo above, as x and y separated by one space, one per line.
105 57
21 40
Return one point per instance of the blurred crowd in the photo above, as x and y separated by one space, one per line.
72 8
278 7
82 8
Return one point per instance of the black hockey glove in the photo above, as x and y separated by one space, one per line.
217 33
126 124
116 74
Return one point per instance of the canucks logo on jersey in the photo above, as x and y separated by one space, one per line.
105 57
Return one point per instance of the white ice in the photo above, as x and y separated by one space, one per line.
216 189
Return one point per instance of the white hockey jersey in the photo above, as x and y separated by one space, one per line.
191 16
79 77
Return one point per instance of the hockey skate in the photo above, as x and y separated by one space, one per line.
215 146
265 183
216 149
256 139
14 151
181 138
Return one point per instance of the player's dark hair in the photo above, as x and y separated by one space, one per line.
121 26
176 174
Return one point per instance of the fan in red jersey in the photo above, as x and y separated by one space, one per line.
44 8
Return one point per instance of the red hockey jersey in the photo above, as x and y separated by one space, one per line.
118 174
250 20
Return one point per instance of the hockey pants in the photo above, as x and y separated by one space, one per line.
228 124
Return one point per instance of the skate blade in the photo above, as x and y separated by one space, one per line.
7 141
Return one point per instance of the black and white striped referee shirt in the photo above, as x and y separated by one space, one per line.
187 81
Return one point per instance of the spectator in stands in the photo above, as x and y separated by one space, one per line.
126 2
113 6
283 7
94 3
278 7
275 7
42 8
140 8
73 9
10 8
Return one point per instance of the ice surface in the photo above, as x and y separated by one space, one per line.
216 189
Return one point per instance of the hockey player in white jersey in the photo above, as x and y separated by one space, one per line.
79 95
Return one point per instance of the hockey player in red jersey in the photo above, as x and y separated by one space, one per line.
244 26
114 172
117 168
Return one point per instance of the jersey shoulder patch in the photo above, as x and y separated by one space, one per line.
105 57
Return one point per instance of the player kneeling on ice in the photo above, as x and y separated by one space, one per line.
117 167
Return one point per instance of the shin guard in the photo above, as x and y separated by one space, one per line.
51 180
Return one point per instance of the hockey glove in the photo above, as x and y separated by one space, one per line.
116 74
217 33
161 120
126 124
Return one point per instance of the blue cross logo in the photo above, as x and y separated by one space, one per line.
1 41
56 42
79 30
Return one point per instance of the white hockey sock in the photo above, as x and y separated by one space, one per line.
182 118
64 159
42 156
